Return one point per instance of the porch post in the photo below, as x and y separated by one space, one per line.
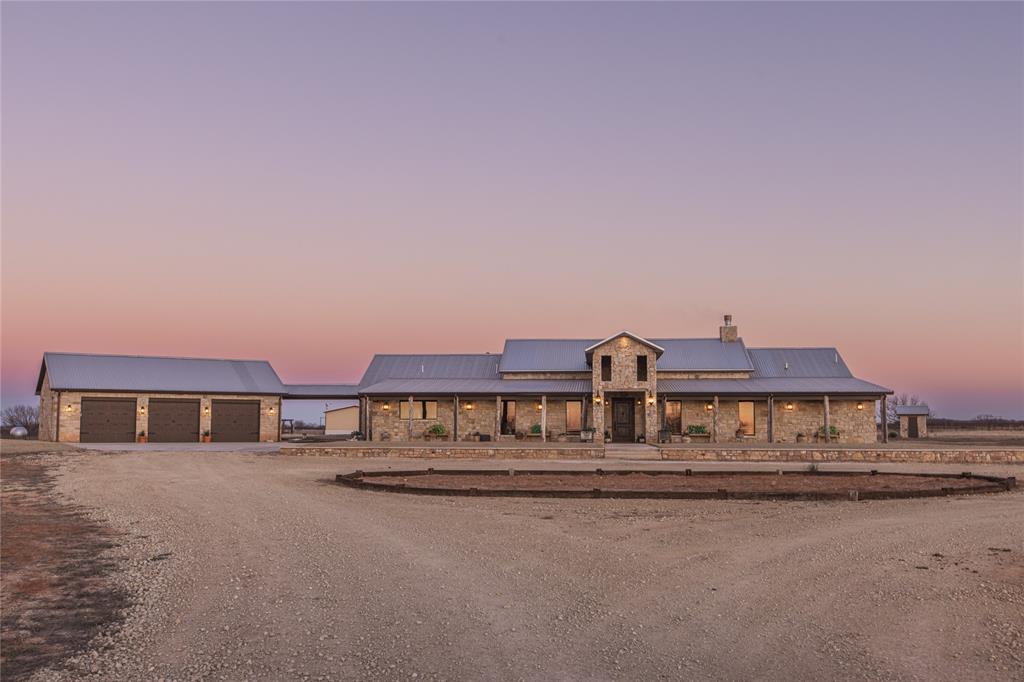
771 419
714 422
544 418
368 435
455 421
497 417
828 435
410 417
885 419
583 415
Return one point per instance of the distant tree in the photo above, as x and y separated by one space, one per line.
901 399
21 415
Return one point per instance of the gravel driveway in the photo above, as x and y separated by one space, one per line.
257 566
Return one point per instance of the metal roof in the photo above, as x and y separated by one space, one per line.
912 410
771 386
310 391
87 372
406 387
569 355
475 366
798 362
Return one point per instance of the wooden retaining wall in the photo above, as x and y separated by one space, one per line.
443 452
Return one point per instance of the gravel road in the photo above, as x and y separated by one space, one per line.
256 566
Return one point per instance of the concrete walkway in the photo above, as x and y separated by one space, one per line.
180 447
631 451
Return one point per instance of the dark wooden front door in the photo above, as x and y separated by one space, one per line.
173 421
912 427
623 420
235 421
108 420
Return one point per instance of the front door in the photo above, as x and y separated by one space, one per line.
623 420
912 427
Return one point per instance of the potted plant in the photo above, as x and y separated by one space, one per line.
833 433
435 432
587 434
206 436
535 432
642 438
142 437
607 436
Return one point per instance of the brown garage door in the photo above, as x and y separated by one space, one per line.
173 421
235 421
108 420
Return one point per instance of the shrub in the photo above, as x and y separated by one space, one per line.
694 429
832 431
437 430
535 428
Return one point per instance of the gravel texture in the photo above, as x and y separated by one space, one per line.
257 566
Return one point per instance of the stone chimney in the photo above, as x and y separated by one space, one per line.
727 332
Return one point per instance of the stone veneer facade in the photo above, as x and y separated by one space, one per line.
60 412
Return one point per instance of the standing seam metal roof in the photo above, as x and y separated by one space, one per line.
87 372
569 355
464 366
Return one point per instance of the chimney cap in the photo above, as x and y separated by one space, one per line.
728 320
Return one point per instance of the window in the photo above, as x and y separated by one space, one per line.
421 409
747 418
508 417
674 416
573 416
606 368
641 368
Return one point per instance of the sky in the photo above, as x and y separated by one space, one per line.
313 183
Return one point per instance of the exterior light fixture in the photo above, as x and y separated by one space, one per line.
709 406
639 403
650 400
860 406
386 406
539 407
69 408
789 406
142 410
206 409
469 406
597 399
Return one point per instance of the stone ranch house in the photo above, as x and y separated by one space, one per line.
623 388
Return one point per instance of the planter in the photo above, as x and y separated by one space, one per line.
699 436
533 436
205 439
435 436
801 438
586 436
141 439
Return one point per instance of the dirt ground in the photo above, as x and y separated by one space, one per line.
269 570
769 482
990 438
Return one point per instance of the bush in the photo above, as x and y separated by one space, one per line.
696 429
535 428
437 430
832 431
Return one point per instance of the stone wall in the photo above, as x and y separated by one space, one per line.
67 405
824 454
452 451
47 412
922 425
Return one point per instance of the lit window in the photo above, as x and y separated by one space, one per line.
421 409
747 418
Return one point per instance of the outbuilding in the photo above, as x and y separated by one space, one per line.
913 420
341 421
123 399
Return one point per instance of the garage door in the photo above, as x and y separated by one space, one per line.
235 421
173 421
108 420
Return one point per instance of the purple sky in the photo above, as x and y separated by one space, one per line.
313 183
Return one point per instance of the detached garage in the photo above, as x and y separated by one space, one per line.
121 399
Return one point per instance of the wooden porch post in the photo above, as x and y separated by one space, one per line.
885 419
410 417
714 422
455 421
497 417
544 418
828 435
771 419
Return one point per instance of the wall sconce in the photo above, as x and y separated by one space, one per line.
639 403
385 406
789 406
709 406
69 408
270 410
860 406
469 406
206 410
539 407
142 409
597 400
650 400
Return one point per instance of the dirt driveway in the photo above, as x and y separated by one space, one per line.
256 566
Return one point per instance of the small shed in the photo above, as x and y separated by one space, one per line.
913 420
341 421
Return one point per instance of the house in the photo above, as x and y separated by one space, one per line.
341 421
913 420
625 388
117 398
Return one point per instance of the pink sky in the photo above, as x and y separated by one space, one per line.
311 184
